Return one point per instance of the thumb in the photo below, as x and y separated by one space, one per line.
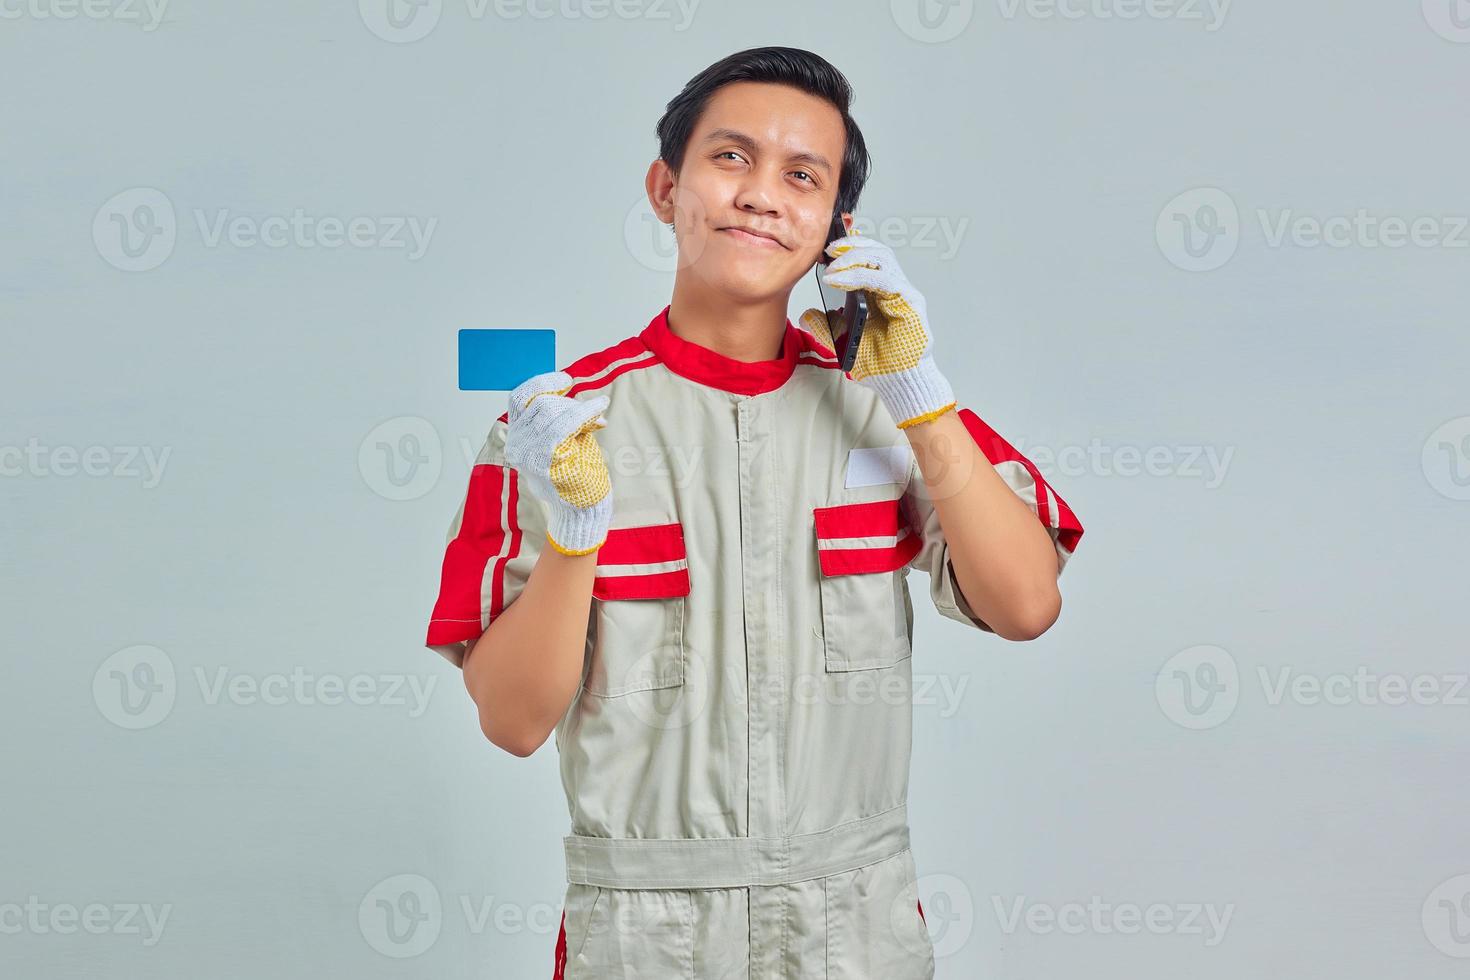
547 383
820 323
589 414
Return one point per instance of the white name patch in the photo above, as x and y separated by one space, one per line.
882 464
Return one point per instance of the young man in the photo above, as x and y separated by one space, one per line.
718 627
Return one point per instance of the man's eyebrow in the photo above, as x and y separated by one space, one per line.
750 145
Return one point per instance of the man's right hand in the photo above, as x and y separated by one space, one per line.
551 444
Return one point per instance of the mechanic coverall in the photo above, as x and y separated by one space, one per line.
736 761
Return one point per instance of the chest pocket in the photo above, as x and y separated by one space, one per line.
862 550
641 580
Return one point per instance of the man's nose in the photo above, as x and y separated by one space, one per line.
757 193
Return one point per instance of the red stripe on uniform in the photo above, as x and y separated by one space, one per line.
869 520
584 367
659 585
606 379
997 450
457 611
589 364
560 961
642 545
497 583
849 561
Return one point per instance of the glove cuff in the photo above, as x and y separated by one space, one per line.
916 395
579 530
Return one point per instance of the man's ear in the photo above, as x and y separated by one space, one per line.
847 221
659 183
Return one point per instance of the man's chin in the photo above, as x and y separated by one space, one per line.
747 277
751 285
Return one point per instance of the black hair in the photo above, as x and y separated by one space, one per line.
799 69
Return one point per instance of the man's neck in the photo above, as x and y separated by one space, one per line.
743 333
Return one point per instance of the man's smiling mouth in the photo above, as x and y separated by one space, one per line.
752 238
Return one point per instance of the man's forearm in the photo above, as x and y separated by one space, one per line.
1004 560
524 670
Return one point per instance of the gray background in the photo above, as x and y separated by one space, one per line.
1328 381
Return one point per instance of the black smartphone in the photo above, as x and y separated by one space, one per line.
854 312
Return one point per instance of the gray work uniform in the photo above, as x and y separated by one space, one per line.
736 761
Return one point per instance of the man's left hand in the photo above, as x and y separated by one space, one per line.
895 353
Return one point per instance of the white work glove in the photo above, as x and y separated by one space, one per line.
551 444
895 355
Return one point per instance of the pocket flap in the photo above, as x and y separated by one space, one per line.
644 562
863 537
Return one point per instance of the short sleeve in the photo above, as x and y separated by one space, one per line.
1021 475
492 545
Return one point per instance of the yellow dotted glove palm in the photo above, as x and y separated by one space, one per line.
895 353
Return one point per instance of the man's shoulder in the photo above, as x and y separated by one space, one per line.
600 368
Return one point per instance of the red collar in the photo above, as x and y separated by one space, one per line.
697 363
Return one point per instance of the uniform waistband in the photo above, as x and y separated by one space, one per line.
735 862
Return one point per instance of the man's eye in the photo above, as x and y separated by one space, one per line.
726 153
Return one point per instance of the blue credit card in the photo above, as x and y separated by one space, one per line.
498 360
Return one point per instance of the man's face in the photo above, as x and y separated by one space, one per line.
762 157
